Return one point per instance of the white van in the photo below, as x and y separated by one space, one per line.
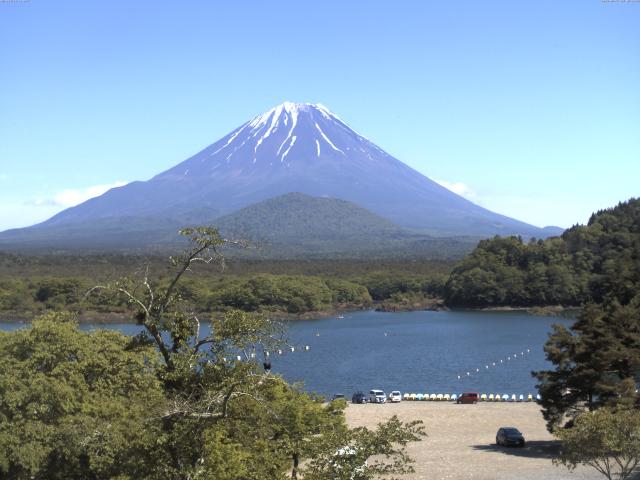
396 396
377 396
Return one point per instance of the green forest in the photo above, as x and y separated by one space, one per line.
590 263
33 285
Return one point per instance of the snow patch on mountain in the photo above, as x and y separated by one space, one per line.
326 139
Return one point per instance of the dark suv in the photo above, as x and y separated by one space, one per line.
359 397
468 397
509 436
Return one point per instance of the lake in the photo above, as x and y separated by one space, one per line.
411 352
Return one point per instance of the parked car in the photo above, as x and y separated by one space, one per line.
395 396
468 397
359 397
509 436
377 396
336 396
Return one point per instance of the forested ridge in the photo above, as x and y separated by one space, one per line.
588 263
33 285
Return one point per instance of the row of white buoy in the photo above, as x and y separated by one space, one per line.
495 364
267 354
292 349
440 397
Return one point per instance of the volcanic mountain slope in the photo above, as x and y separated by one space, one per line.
298 225
291 148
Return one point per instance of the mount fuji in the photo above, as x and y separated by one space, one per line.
294 147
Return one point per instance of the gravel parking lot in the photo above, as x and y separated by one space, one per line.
461 440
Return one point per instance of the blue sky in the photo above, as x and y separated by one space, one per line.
531 109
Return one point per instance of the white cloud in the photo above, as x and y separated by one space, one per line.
73 196
17 213
460 188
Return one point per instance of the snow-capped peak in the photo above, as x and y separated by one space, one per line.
290 110
288 133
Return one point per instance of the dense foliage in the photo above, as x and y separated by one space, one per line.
33 285
606 440
592 263
173 402
597 362
76 404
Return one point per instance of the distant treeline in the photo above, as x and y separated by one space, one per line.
591 263
32 285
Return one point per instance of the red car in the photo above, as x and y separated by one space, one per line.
468 397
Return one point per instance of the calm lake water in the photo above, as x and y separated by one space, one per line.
411 352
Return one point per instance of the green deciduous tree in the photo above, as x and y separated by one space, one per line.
361 453
606 440
76 404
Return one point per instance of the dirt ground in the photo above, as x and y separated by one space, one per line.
461 440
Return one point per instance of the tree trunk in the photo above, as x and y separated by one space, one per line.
296 461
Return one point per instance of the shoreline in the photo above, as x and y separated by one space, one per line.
434 306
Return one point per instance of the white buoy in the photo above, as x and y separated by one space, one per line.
253 355
239 358
500 361
458 377
486 366
468 374
477 369
266 354
494 364
279 352
306 347
293 349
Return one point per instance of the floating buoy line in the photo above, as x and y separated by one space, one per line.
497 363
267 354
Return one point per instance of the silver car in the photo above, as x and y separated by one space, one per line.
377 396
